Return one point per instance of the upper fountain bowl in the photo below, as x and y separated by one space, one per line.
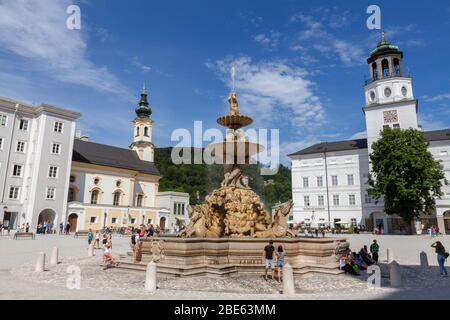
234 121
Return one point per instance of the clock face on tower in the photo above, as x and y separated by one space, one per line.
390 116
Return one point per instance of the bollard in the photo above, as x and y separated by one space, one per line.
91 250
54 257
40 264
395 274
390 255
424 260
288 280
150 277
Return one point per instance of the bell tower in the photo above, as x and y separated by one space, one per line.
389 99
143 125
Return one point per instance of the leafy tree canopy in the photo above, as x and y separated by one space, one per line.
405 174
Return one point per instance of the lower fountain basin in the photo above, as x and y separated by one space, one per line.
222 257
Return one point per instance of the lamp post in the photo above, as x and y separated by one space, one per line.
104 220
3 220
126 217
326 183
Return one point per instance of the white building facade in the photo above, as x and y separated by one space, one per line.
330 180
35 156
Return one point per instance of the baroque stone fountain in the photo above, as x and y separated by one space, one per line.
227 233
235 210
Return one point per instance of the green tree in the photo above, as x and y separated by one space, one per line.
405 174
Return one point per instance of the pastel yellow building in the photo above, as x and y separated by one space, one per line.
117 187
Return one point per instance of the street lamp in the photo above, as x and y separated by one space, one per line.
4 212
104 220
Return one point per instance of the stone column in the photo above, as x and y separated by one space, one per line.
390 255
54 257
424 260
40 264
288 280
150 277
395 274
391 66
379 68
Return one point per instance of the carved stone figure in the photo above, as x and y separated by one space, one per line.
234 106
157 249
235 178
278 227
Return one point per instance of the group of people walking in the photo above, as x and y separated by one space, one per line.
434 231
145 231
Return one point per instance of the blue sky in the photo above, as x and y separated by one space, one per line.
300 64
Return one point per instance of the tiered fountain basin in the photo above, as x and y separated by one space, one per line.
224 257
234 152
235 121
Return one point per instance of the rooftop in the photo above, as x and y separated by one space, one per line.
105 155
384 47
36 110
346 145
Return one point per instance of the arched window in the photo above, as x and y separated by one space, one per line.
116 201
146 131
94 197
385 67
374 71
137 132
139 200
397 67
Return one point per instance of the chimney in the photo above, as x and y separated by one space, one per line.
84 137
78 134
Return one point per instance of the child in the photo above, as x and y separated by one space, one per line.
108 259
97 239
280 262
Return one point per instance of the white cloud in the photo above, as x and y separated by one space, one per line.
429 123
359 135
441 97
269 40
144 68
36 32
413 43
325 42
274 91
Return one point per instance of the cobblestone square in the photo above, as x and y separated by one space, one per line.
20 281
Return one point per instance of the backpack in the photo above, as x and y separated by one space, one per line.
133 239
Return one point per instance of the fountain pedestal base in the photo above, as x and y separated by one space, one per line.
223 257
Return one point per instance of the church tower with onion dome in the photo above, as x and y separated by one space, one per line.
143 125
389 99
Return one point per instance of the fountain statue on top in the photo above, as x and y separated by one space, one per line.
234 210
